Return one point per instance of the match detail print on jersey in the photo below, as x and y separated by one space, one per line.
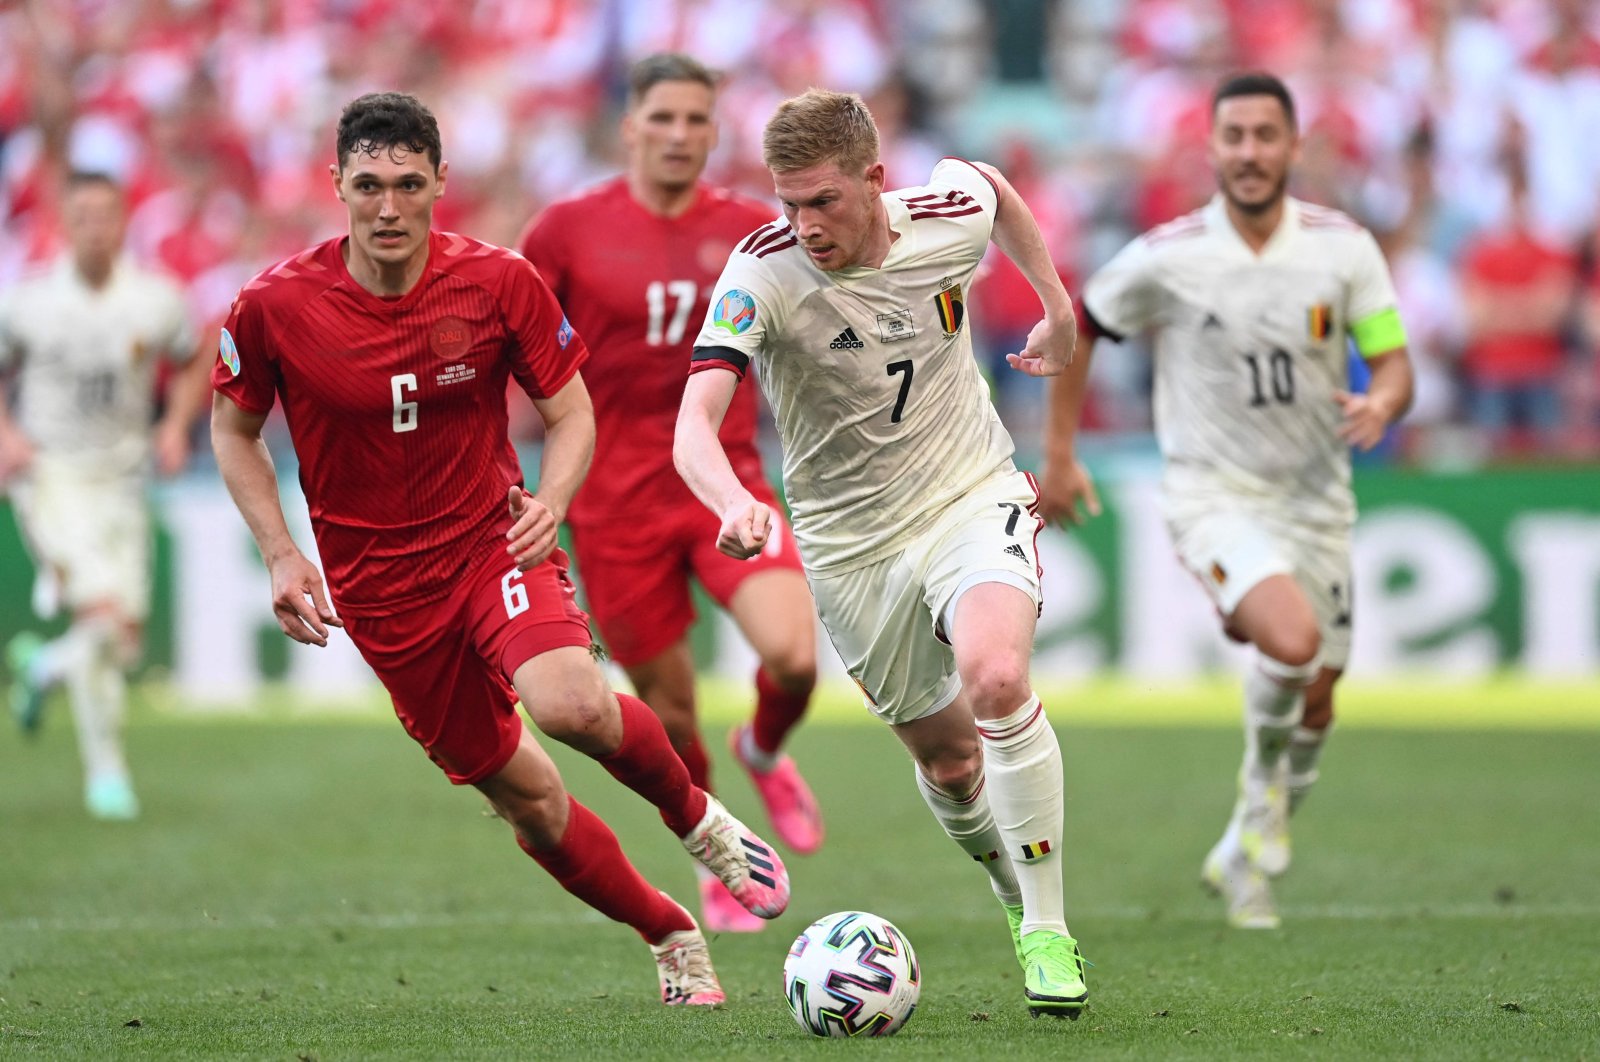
896 325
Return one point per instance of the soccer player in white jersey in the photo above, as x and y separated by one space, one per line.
81 340
1254 300
916 530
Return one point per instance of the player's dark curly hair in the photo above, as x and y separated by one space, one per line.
1255 83
381 121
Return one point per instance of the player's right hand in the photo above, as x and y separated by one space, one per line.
1066 493
295 580
534 529
1049 349
745 527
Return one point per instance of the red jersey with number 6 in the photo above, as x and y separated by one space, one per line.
636 286
397 406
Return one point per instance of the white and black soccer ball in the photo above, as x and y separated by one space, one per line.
851 974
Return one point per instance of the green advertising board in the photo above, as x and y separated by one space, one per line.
1456 574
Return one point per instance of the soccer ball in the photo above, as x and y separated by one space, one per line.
851 974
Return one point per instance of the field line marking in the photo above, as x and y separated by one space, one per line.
419 920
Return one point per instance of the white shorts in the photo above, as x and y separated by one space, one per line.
889 620
89 536
1231 551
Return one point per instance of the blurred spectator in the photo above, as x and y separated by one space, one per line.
1556 99
215 115
1429 296
1519 289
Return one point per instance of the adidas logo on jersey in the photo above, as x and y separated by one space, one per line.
1016 551
846 340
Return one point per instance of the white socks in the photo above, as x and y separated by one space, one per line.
1305 750
1274 697
1023 767
969 822
753 754
87 659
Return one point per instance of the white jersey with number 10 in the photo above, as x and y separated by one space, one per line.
1249 351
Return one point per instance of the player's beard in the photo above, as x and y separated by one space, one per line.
1261 206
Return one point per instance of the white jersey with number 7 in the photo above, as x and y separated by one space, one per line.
884 417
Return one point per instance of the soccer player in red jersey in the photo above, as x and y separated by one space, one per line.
390 349
633 261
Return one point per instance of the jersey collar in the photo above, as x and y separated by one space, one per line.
900 224
67 271
1216 213
378 302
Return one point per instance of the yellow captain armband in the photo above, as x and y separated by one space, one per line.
1379 334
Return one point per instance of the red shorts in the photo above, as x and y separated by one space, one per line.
636 577
447 666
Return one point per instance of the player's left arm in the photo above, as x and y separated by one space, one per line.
1016 232
698 454
188 393
1380 337
1388 396
568 448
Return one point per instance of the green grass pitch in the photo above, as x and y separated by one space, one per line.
310 888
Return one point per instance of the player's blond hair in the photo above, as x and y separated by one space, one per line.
820 126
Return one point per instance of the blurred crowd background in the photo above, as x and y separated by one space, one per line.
1465 133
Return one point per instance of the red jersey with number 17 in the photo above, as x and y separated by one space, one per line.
397 406
636 286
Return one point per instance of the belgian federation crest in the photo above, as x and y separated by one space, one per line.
1319 321
951 308
735 312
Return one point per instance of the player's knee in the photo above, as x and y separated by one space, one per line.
996 685
581 714
1293 646
956 773
793 669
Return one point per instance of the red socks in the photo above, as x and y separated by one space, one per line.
777 712
647 763
589 864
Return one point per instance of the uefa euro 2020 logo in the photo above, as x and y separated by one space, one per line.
735 313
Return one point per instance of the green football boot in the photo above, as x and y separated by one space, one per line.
1053 975
1014 918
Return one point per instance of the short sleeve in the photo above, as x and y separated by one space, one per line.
1122 297
743 313
952 174
542 244
1371 289
247 365
961 194
543 349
